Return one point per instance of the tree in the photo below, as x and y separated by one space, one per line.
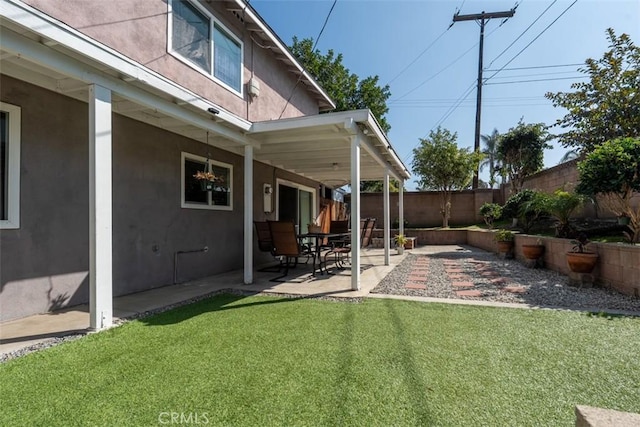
606 106
612 170
491 156
521 152
444 167
377 186
345 88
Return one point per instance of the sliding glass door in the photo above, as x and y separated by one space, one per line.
296 203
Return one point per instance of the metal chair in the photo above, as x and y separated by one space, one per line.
265 244
285 244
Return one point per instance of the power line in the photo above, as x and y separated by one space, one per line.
419 56
312 49
537 66
531 42
537 80
442 70
522 33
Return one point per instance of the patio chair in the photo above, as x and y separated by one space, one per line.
368 232
285 244
265 244
342 249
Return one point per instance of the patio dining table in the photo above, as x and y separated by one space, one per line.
319 238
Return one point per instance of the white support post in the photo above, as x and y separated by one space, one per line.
248 214
100 209
401 206
385 207
355 213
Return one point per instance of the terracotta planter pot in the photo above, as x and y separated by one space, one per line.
532 251
505 246
582 262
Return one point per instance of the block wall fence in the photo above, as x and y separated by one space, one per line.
422 208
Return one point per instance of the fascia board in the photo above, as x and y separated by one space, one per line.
35 21
42 55
249 11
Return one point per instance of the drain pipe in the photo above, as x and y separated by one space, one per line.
175 261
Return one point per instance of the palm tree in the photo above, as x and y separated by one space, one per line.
490 155
569 155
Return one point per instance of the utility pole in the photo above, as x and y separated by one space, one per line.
482 18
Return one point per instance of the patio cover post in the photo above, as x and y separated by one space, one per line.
385 208
355 212
100 209
401 206
248 214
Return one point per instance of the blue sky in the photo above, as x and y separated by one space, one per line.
388 38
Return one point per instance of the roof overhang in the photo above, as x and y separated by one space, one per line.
319 147
270 40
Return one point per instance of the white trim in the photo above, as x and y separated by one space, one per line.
51 29
385 208
355 212
189 205
100 209
13 166
248 11
213 21
248 214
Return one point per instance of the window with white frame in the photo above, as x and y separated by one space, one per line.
205 44
9 166
206 183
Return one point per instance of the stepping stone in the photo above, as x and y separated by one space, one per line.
515 289
469 293
417 278
462 284
499 281
415 286
489 273
453 270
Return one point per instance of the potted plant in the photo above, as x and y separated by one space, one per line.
400 240
505 239
207 180
580 260
533 251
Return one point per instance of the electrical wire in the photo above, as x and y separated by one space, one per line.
418 57
538 66
443 69
522 33
536 80
293 90
531 42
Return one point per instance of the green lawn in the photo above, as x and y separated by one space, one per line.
259 361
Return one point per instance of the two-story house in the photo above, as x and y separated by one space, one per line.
108 111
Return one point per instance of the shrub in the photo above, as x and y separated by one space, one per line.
504 236
532 210
490 212
560 206
511 208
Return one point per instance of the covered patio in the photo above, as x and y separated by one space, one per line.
333 149
38 330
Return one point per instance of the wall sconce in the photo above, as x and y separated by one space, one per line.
334 166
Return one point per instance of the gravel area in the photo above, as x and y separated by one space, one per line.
519 284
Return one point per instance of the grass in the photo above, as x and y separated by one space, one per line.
233 360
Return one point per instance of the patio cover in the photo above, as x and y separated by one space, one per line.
334 148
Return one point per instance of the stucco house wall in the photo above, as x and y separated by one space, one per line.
45 262
138 30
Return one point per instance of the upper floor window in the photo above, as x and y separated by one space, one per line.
213 191
9 166
205 44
